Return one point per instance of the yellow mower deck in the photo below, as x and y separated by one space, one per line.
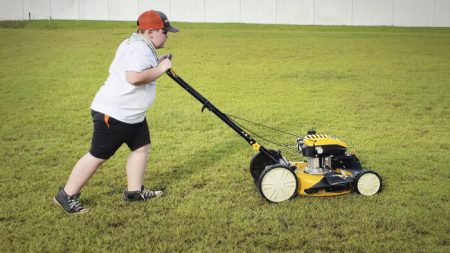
307 181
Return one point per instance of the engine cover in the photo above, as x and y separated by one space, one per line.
314 145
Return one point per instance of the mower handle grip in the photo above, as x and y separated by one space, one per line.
169 55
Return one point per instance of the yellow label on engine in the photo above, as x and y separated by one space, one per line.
322 140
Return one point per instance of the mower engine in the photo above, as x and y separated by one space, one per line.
324 154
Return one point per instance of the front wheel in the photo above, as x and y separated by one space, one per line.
368 183
278 183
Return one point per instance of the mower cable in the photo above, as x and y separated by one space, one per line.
259 124
260 136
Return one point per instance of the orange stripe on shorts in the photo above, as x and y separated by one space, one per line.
106 118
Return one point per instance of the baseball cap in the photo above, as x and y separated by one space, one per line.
155 20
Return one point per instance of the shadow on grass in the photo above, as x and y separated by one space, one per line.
176 177
177 174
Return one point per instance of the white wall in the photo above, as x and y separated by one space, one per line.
258 11
11 10
123 9
64 9
295 12
442 13
413 12
421 13
369 12
160 5
36 9
187 10
94 10
333 12
223 11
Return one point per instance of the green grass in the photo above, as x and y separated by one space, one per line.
384 90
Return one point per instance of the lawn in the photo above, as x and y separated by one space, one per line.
383 90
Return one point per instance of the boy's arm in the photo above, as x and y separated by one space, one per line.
148 75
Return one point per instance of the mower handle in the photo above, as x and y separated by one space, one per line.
208 105
169 55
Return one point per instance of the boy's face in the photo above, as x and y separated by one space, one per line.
157 37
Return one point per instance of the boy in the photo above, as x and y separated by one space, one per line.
118 111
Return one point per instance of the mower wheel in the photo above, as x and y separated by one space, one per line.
278 183
259 162
367 183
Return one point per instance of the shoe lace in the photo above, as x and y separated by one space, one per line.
75 204
147 194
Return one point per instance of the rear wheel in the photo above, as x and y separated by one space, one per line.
278 183
368 183
259 162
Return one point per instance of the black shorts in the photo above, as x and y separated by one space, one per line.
109 134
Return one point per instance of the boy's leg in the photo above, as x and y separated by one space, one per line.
139 142
136 163
81 173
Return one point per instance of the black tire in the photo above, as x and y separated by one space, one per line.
278 183
259 162
368 183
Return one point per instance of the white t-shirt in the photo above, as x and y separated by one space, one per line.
117 97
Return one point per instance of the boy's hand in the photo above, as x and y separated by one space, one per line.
166 56
165 64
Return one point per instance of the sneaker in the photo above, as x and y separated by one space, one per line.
70 204
141 195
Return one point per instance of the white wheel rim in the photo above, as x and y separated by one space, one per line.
369 184
278 184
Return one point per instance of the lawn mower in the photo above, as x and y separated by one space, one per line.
329 169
